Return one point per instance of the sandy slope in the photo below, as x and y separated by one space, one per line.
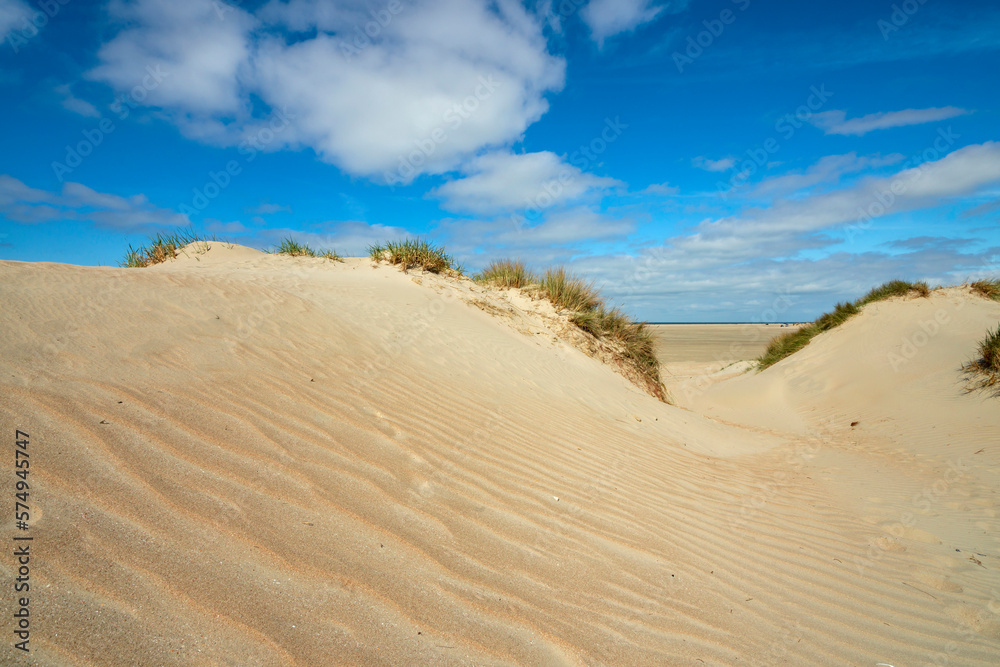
249 459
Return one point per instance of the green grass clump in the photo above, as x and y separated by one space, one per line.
289 246
782 346
989 289
506 273
567 291
987 367
158 249
293 248
891 289
414 253
631 344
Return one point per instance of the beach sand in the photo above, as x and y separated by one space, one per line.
697 355
241 458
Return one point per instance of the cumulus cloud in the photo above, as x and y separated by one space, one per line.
77 202
607 18
836 122
503 181
383 94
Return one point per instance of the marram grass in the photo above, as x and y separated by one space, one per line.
989 289
158 249
790 343
632 343
986 369
414 253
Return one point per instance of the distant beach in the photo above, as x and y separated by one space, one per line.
715 342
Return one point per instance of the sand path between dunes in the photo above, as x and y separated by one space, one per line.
240 458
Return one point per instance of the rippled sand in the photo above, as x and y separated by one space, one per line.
241 458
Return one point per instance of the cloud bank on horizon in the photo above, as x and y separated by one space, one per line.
701 161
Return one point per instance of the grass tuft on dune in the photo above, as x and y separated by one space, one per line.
506 273
631 343
158 249
289 246
989 289
790 343
415 253
986 369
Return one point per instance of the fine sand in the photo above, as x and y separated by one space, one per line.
250 459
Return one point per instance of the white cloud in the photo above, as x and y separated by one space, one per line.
827 171
836 122
202 46
77 202
962 172
75 104
607 18
753 253
506 181
13 13
723 164
432 86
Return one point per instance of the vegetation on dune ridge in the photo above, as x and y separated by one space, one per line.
631 343
506 273
792 342
989 289
162 247
159 249
415 253
986 368
289 246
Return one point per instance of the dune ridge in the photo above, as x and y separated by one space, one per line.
254 459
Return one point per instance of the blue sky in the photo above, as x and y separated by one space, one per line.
731 160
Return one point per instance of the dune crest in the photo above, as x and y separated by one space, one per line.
257 459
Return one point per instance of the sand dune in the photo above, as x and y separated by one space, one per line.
242 458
